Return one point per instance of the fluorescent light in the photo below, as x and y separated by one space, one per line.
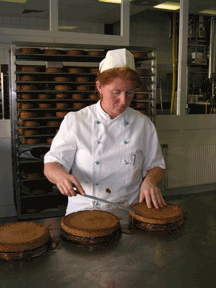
111 1
67 27
209 11
168 6
15 1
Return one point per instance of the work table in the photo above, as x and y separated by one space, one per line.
138 259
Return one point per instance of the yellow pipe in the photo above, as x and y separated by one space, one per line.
173 63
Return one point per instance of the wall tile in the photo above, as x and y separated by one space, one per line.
7 19
15 20
24 20
40 22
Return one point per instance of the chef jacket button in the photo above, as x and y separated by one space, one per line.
96 203
126 123
97 122
96 162
97 142
125 142
125 162
96 184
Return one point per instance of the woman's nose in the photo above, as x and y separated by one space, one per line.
123 98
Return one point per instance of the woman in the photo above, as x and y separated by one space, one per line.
108 150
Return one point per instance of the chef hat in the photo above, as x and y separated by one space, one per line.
117 58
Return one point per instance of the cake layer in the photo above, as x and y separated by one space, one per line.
169 213
22 236
90 223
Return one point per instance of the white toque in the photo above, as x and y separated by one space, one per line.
117 58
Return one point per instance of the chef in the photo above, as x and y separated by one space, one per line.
108 149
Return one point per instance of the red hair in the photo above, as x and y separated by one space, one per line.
125 73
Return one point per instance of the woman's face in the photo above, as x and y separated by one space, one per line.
116 96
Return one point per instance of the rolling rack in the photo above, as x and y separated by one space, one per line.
35 197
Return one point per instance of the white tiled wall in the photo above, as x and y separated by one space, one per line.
151 29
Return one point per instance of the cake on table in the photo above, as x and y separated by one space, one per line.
23 240
91 227
169 217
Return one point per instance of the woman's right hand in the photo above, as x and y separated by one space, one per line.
66 185
65 182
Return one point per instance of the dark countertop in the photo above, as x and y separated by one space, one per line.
138 259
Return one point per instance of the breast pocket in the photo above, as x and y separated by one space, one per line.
137 163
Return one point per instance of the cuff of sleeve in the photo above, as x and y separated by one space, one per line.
53 159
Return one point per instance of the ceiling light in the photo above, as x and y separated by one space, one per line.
168 6
111 1
67 27
15 1
212 12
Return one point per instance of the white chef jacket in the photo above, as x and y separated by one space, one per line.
104 153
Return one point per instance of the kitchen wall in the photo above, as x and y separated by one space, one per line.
151 29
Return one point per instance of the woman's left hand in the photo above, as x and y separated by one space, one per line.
151 194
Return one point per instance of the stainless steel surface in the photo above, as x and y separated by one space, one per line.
2 95
140 259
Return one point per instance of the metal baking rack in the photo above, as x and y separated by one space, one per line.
25 199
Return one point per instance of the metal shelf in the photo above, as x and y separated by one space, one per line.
15 58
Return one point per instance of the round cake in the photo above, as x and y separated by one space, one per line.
82 79
48 115
75 52
61 96
27 114
91 227
53 123
30 50
49 140
62 87
142 96
61 113
61 105
77 96
142 71
61 79
94 70
30 68
44 105
34 175
43 96
32 141
27 78
26 105
30 132
144 112
141 88
93 97
140 54
20 131
79 105
52 51
142 104
31 123
53 70
23 239
169 217
83 88
28 87
96 53
18 87
76 70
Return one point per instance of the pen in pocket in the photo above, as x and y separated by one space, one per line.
134 159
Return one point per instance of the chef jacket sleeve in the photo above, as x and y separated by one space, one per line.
63 147
152 151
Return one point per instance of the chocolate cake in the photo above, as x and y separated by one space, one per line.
23 239
169 217
91 227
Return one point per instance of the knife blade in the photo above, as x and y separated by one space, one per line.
105 201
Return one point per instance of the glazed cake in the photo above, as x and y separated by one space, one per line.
23 239
91 227
169 217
